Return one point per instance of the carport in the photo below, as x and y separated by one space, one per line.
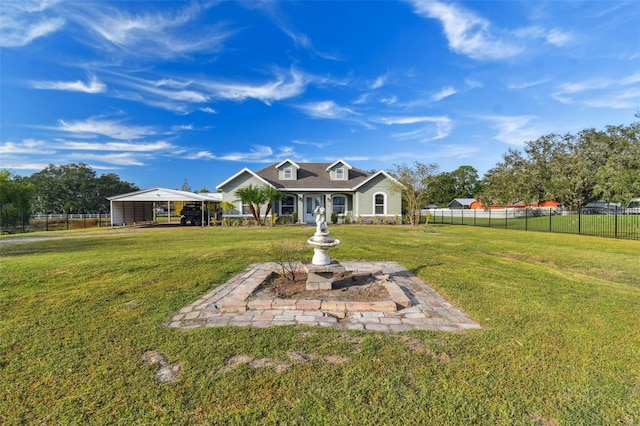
139 206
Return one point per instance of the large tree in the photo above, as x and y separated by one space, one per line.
75 188
413 183
460 183
15 201
593 165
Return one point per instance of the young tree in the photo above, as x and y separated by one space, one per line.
413 183
272 195
253 196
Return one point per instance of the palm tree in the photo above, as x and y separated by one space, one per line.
253 196
271 194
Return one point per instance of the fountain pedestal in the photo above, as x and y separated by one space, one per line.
321 277
321 271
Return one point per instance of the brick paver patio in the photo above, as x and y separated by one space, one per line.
227 305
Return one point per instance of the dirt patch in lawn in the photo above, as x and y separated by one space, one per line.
348 288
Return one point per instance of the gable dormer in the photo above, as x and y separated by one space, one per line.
287 170
339 170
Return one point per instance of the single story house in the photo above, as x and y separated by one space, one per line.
338 187
464 203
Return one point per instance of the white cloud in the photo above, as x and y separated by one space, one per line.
526 84
439 127
444 93
379 82
150 34
27 146
113 129
618 93
327 109
117 146
201 155
24 22
259 154
467 33
94 86
209 110
514 130
121 159
284 87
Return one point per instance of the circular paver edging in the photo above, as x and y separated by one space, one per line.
413 305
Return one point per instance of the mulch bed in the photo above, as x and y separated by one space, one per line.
348 288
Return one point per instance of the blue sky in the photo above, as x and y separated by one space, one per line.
159 92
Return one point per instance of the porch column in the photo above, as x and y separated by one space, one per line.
300 210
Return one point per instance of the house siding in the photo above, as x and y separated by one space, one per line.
229 190
364 198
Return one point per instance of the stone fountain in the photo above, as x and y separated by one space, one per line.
322 270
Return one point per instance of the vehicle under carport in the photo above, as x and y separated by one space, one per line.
139 207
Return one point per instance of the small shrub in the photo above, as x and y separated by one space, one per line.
348 219
334 217
274 219
294 217
289 255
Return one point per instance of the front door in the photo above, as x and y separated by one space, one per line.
310 204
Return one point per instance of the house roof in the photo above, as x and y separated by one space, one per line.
464 201
164 194
245 170
314 176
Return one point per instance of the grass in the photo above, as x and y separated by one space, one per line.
561 343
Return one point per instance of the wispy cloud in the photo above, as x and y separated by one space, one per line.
120 159
94 85
162 35
283 87
24 22
379 82
94 126
444 93
327 109
618 93
259 154
467 33
438 127
27 146
301 40
526 84
116 146
514 130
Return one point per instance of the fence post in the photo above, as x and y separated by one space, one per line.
550 219
526 219
616 222
46 223
474 216
67 221
506 217
489 218
579 222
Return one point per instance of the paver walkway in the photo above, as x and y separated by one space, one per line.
227 306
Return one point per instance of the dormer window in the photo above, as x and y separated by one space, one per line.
287 173
340 173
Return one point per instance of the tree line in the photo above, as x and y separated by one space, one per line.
70 188
572 169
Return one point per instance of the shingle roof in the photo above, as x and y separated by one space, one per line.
313 176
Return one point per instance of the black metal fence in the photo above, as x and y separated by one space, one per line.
613 223
58 222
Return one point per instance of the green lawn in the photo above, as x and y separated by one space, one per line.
561 343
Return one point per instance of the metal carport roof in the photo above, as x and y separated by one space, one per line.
137 206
